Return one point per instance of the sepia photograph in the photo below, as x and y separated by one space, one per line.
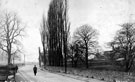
67 40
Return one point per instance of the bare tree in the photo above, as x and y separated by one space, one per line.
124 44
10 32
76 52
87 35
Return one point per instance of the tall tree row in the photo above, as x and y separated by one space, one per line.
57 32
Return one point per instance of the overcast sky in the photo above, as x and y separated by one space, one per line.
103 15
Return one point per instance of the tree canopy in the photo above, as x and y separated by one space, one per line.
124 44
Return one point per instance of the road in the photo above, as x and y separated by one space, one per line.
25 74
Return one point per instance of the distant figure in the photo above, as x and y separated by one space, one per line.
16 68
35 70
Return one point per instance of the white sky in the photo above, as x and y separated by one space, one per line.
104 15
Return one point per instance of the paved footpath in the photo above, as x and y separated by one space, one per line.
26 74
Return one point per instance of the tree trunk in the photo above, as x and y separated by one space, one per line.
9 58
65 52
44 55
39 56
72 61
128 65
75 62
127 68
86 56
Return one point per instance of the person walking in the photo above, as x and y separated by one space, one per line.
16 68
35 70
